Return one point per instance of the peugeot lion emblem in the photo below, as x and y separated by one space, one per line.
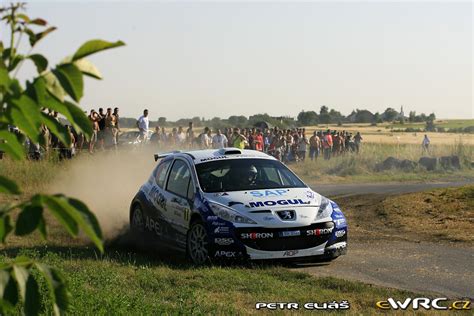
287 215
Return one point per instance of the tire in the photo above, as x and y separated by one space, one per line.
137 227
197 244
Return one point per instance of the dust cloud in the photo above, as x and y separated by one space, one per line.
106 182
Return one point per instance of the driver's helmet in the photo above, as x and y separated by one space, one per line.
249 174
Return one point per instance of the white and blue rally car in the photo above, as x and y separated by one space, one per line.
235 204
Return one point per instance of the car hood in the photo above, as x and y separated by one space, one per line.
263 206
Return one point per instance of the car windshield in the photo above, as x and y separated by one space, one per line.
245 174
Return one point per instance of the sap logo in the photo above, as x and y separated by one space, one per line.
340 222
225 254
268 193
278 202
224 241
153 226
221 230
340 233
290 253
256 235
319 231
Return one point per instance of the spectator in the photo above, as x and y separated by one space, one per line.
314 146
117 124
425 144
302 143
327 145
190 135
143 125
205 139
94 118
219 140
258 140
238 140
357 141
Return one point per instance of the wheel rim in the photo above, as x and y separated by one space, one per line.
197 244
137 219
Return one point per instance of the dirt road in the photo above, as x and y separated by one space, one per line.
405 262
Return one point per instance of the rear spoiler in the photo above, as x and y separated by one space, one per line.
163 155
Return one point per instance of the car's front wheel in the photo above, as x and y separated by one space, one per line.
197 243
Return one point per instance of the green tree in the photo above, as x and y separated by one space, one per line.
324 117
390 115
307 118
26 106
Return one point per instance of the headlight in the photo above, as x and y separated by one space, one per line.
229 215
325 209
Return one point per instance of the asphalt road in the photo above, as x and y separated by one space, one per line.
424 267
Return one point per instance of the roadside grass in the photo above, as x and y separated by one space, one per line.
130 283
360 167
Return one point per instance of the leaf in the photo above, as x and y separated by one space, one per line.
28 220
5 227
94 46
38 21
11 145
40 62
35 38
57 129
15 61
26 115
42 228
71 80
8 287
32 297
88 68
79 119
8 186
21 275
61 210
88 223
57 285
54 86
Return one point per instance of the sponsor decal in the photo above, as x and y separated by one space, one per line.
310 194
278 202
157 198
440 303
268 218
319 231
187 213
291 233
290 253
153 226
224 241
340 233
212 218
221 230
213 158
342 305
265 193
218 223
340 222
287 215
226 254
337 215
256 235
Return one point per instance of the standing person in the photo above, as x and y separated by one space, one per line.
94 118
181 137
258 140
117 124
314 145
143 124
205 138
302 143
425 144
238 140
327 145
101 132
357 141
219 140
110 137
190 135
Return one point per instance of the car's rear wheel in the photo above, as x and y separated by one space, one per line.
197 243
137 227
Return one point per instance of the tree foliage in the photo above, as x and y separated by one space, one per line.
25 106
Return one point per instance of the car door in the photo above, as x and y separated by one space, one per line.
180 191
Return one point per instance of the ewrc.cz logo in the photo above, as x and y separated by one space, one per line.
423 302
278 202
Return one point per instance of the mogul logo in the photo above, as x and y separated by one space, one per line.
256 235
278 202
440 303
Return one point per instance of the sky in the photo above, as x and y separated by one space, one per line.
216 59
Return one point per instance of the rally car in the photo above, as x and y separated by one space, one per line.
235 204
